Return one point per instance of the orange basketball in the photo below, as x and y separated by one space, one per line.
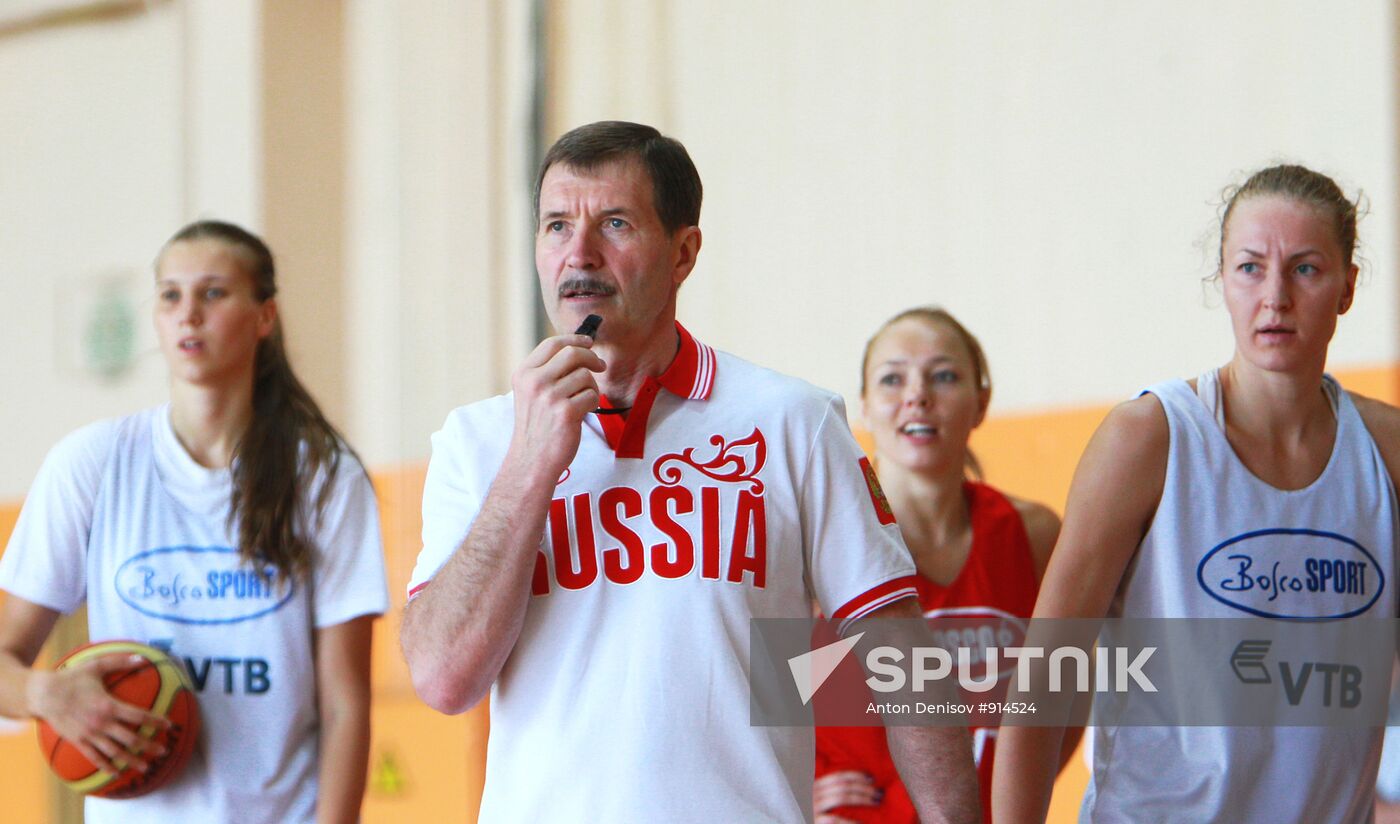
156 684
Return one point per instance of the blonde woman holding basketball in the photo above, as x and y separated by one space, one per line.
231 527
1267 443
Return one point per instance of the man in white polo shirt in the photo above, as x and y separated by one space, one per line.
596 542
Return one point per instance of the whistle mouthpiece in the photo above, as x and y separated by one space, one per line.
589 326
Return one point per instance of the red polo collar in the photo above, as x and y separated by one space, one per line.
691 376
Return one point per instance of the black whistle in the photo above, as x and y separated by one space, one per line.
589 326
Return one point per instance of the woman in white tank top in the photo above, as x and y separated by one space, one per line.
231 527
1265 444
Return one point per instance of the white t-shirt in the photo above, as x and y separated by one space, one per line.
121 516
729 493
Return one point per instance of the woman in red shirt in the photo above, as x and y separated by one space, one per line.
980 554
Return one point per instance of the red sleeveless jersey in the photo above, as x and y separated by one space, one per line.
992 597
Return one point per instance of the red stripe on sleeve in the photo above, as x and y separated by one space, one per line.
871 600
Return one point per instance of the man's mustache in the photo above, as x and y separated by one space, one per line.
581 285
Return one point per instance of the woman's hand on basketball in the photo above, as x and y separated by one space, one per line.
844 788
76 704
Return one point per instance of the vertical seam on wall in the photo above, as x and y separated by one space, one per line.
494 80
539 93
186 117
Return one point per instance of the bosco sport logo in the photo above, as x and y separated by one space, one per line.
200 585
1292 575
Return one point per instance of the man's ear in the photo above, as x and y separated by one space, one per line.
687 245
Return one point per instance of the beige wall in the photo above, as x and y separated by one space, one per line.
438 257
295 119
90 183
1045 170
301 126
118 129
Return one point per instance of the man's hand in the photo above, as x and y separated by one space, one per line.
554 391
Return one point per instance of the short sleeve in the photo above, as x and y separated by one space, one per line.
467 453
349 573
45 561
856 555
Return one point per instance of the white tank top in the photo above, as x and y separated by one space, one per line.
1211 500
